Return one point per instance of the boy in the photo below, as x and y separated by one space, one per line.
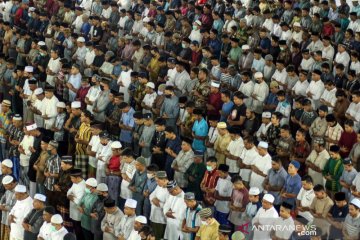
239 200
347 177
222 195
337 214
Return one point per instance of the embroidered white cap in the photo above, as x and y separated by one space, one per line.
263 144
38 91
29 69
56 219
7 162
91 182
131 203
31 127
7 180
61 105
116 144
141 219
20 188
76 104
40 197
269 198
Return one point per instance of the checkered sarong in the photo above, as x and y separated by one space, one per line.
81 162
5 232
65 214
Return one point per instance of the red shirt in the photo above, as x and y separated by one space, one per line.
347 140
196 57
114 163
210 180
328 30
18 16
215 101
81 94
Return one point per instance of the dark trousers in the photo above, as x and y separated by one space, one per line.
88 235
51 197
78 230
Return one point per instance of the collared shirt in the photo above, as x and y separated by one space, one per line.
306 197
156 214
263 163
200 129
20 210
293 186
277 179
248 157
235 148
52 167
264 217
128 120
183 161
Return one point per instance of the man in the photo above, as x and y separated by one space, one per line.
246 160
320 207
222 142
49 112
97 212
347 177
21 209
265 216
51 172
209 226
25 153
7 201
172 149
234 150
351 224
126 124
82 139
157 199
275 180
112 215
126 224
137 184
75 194
101 101
59 231
45 230
284 221
174 210
146 137
223 192
5 122
199 131
315 89
333 171
170 108
337 214
209 181
72 125
33 221
182 162
305 198
191 222
85 206
292 184
317 160
195 174
261 166
260 93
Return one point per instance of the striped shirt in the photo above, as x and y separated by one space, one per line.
352 226
84 134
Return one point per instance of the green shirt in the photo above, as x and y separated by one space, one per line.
87 203
234 54
334 168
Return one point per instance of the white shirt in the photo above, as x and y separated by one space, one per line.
26 143
129 169
306 197
277 30
39 105
229 24
261 90
316 89
81 53
195 35
125 4
45 231
126 80
248 157
157 214
77 190
173 225
224 187
50 110
20 210
354 25
355 66
306 64
89 57
264 217
354 111
328 52
86 4
343 58
59 235
149 100
134 235
78 23
280 76
301 87
315 46
92 95
235 148
268 24
263 163
247 89
287 224
329 96
105 153
94 146
138 25
285 35
106 13
122 21
297 36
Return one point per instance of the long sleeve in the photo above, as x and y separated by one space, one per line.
326 168
35 228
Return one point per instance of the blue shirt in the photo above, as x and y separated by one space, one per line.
272 99
226 110
200 129
277 179
128 120
293 186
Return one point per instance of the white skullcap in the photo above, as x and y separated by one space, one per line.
41 43
141 219
263 144
198 22
40 197
245 47
115 144
38 91
20 189
80 39
7 162
31 127
254 191
102 187
297 24
215 84
31 9
91 182
355 202
76 104
29 69
269 198
258 75
150 85
7 180
17 117
146 20
266 115
56 219
61 105
131 203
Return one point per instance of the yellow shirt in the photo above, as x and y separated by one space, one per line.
209 232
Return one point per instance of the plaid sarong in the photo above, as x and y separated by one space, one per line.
65 214
5 232
81 162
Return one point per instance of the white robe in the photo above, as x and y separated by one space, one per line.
126 80
263 163
45 231
50 110
264 218
20 210
178 207
157 214
59 235
77 190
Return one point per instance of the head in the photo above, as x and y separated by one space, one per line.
320 192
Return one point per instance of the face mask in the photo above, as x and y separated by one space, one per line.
149 176
168 95
209 168
183 45
204 223
53 228
194 27
87 190
101 87
160 93
49 152
282 49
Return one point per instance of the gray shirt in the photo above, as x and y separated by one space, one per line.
100 105
348 177
277 179
8 200
171 108
146 137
